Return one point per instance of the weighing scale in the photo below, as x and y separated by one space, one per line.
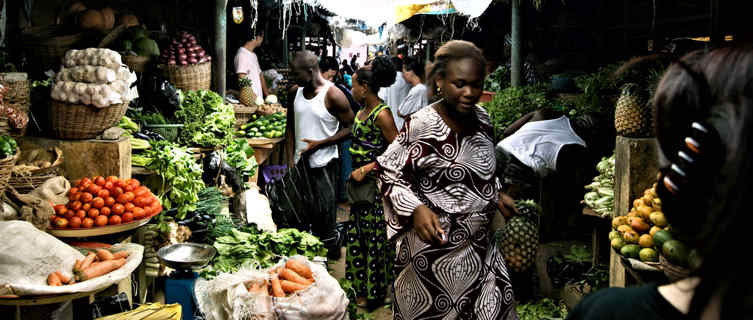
179 286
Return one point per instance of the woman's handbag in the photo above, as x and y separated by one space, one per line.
363 192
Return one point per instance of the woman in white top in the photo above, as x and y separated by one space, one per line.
413 73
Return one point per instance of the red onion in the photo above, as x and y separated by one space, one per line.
183 62
192 55
181 51
171 62
201 54
192 61
183 56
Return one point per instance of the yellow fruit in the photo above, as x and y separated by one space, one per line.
656 204
633 213
637 203
645 211
621 229
614 234
658 218
653 230
646 241
648 255
647 198
630 236
619 221
617 243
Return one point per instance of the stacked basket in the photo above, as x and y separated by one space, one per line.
13 116
46 45
91 94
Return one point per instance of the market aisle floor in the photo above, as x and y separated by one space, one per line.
337 268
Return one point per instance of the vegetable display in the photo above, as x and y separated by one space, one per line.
180 174
184 50
600 198
101 201
135 41
207 120
240 156
94 77
249 246
95 264
8 147
640 233
269 126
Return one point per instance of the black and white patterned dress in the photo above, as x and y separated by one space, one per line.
453 175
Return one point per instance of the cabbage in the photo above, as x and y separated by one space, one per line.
259 101
271 99
146 47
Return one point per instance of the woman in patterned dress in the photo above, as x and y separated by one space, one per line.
369 256
440 193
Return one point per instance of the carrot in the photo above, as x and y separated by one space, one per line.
77 266
63 278
104 255
299 268
120 254
291 275
53 280
277 287
290 286
100 269
87 261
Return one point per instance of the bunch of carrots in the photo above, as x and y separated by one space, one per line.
295 276
93 265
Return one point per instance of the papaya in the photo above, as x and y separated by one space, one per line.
630 236
618 221
676 252
631 251
623 228
645 241
638 224
648 255
660 237
653 230
657 218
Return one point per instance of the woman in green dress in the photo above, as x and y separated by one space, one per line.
369 254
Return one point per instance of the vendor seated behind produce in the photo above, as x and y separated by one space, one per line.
247 65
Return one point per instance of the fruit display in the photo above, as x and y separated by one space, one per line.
100 201
600 198
248 97
96 264
632 116
519 238
184 50
269 126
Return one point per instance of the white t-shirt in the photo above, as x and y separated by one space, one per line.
247 62
394 95
313 121
415 100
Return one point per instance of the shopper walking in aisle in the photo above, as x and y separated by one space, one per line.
321 118
704 125
395 94
370 256
413 73
441 194
247 65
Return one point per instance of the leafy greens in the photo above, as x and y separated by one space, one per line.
208 122
180 173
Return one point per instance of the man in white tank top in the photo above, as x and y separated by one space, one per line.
320 118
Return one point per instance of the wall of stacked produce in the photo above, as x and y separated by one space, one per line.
600 198
269 126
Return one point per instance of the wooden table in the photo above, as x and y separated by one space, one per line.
263 149
597 235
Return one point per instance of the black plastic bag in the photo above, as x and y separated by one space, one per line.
214 166
110 305
158 94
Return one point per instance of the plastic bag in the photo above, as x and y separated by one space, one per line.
158 94
273 78
110 305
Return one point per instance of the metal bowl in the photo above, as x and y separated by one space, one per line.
186 255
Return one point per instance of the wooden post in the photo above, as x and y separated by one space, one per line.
516 61
220 46
636 165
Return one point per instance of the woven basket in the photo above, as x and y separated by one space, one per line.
137 63
243 114
47 45
18 90
672 271
192 77
6 129
78 121
6 166
168 131
26 184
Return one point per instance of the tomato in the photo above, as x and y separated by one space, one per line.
129 206
74 196
120 183
94 189
109 185
52 219
112 179
101 221
147 212
109 201
117 191
141 202
105 211
86 197
75 222
156 209
122 199
87 222
129 196
128 217
138 213
75 205
99 180
85 185
73 190
86 206
118 209
135 183
81 214
61 222
141 191
104 193
60 209
128 187
98 202
93 213
69 214
115 219
77 182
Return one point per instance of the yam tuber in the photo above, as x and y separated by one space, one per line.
120 254
100 269
87 261
291 287
291 275
299 268
63 278
104 255
53 280
277 287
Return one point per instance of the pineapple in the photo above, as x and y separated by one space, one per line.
519 238
632 117
247 93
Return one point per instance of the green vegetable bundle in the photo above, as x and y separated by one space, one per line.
240 156
181 176
208 121
254 247
128 125
600 198
512 103
8 147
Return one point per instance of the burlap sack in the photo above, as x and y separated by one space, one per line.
37 205
28 256
227 297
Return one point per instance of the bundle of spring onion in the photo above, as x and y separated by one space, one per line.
600 198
